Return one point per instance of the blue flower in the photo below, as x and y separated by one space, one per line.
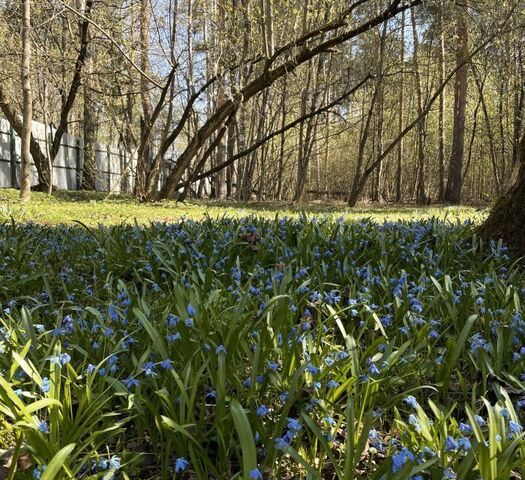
149 369
400 458
464 444
166 364
515 428
130 382
449 474
312 369
181 464
480 420
220 349
46 385
411 401
256 474
281 443
192 311
114 462
465 428
273 366
451 445
43 427
262 411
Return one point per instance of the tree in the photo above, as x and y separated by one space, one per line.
507 218
25 169
455 172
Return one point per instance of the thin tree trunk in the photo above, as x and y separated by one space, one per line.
442 100
89 175
421 128
25 169
492 149
144 159
401 113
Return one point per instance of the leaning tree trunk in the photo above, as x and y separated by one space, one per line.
507 218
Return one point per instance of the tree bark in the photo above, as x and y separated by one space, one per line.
89 173
454 183
25 169
507 218
144 158
442 101
421 196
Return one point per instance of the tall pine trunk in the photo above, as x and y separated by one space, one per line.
455 180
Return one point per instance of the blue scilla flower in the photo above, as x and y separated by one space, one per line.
192 311
262 411
464 443
293 425
46 385
114 462
173 337
181 464
449 474
451 445
172 320
412 420
220 349
400 458
330 420
281 443
166 364
411 401
465 428
312 369
515 428
480 420
130 382
273 366
255 474
149 369
43 427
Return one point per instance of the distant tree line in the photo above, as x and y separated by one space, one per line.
380 100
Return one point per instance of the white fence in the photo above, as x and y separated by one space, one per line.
116 168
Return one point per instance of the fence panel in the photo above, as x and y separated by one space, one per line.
115 167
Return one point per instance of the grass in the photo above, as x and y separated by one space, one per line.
92 208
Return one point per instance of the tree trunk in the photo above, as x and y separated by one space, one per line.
401 121
442 100
89 174
421 196
144 160
507 218
25 169
377 191
454 183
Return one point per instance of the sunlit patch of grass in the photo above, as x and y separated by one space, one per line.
93 208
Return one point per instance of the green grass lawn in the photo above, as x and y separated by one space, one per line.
92 208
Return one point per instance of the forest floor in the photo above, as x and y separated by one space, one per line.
93 208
